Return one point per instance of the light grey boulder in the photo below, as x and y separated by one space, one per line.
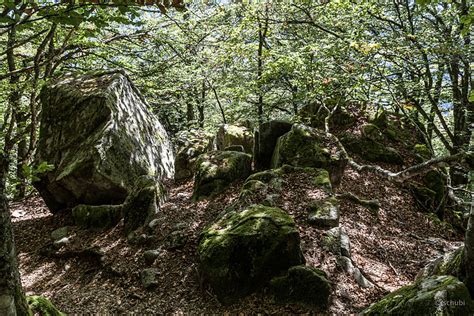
97 132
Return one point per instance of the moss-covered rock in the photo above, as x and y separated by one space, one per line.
40 305
243 250
430 194
422 152
302 285
371 150
97 216
143 202
324 213
304 146
217 169
371 131
266 139
229 135
190 144
98 133
438 295
448 264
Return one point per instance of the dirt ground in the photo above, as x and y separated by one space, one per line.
390 248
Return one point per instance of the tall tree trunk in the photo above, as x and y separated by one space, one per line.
12 297
262 33
201 104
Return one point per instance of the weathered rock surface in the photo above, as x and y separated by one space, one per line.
142 203
302 285
304 146
324 213
314 115
98 133
229 135
217 169
265 141
189 145
243 250
440 295
448 264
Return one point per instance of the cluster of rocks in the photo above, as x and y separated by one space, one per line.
111 155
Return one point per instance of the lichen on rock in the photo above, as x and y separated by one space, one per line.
98 133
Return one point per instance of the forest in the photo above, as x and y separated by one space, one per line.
306 157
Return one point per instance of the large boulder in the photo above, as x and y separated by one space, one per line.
265 141
243 250
189 146
229 135
438 295
100 136
304 146
215 170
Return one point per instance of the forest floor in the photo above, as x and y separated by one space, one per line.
390 248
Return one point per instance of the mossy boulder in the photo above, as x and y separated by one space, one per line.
437 295
40 305
304 146
324 213
229 135
422 152
243 250
304 286
97 216
371 150
190 144
143 202
371 131
97 132
217 169
266 139
448 264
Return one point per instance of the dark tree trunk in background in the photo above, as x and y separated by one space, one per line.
22 152
262 33
190 112
201 104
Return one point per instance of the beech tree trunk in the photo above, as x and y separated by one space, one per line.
12 297
469 253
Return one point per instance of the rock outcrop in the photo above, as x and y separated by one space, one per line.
100 136
229 135
245 249
189 145
304 146
217 169
439 295
265 141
